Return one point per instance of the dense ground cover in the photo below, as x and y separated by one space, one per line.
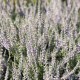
39 40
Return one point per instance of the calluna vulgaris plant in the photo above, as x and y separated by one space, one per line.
40 40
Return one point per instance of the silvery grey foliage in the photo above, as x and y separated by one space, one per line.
41 41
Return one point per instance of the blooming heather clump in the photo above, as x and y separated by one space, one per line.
40 40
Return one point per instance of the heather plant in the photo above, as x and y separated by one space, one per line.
40 40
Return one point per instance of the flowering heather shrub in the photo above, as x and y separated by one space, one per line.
40 41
